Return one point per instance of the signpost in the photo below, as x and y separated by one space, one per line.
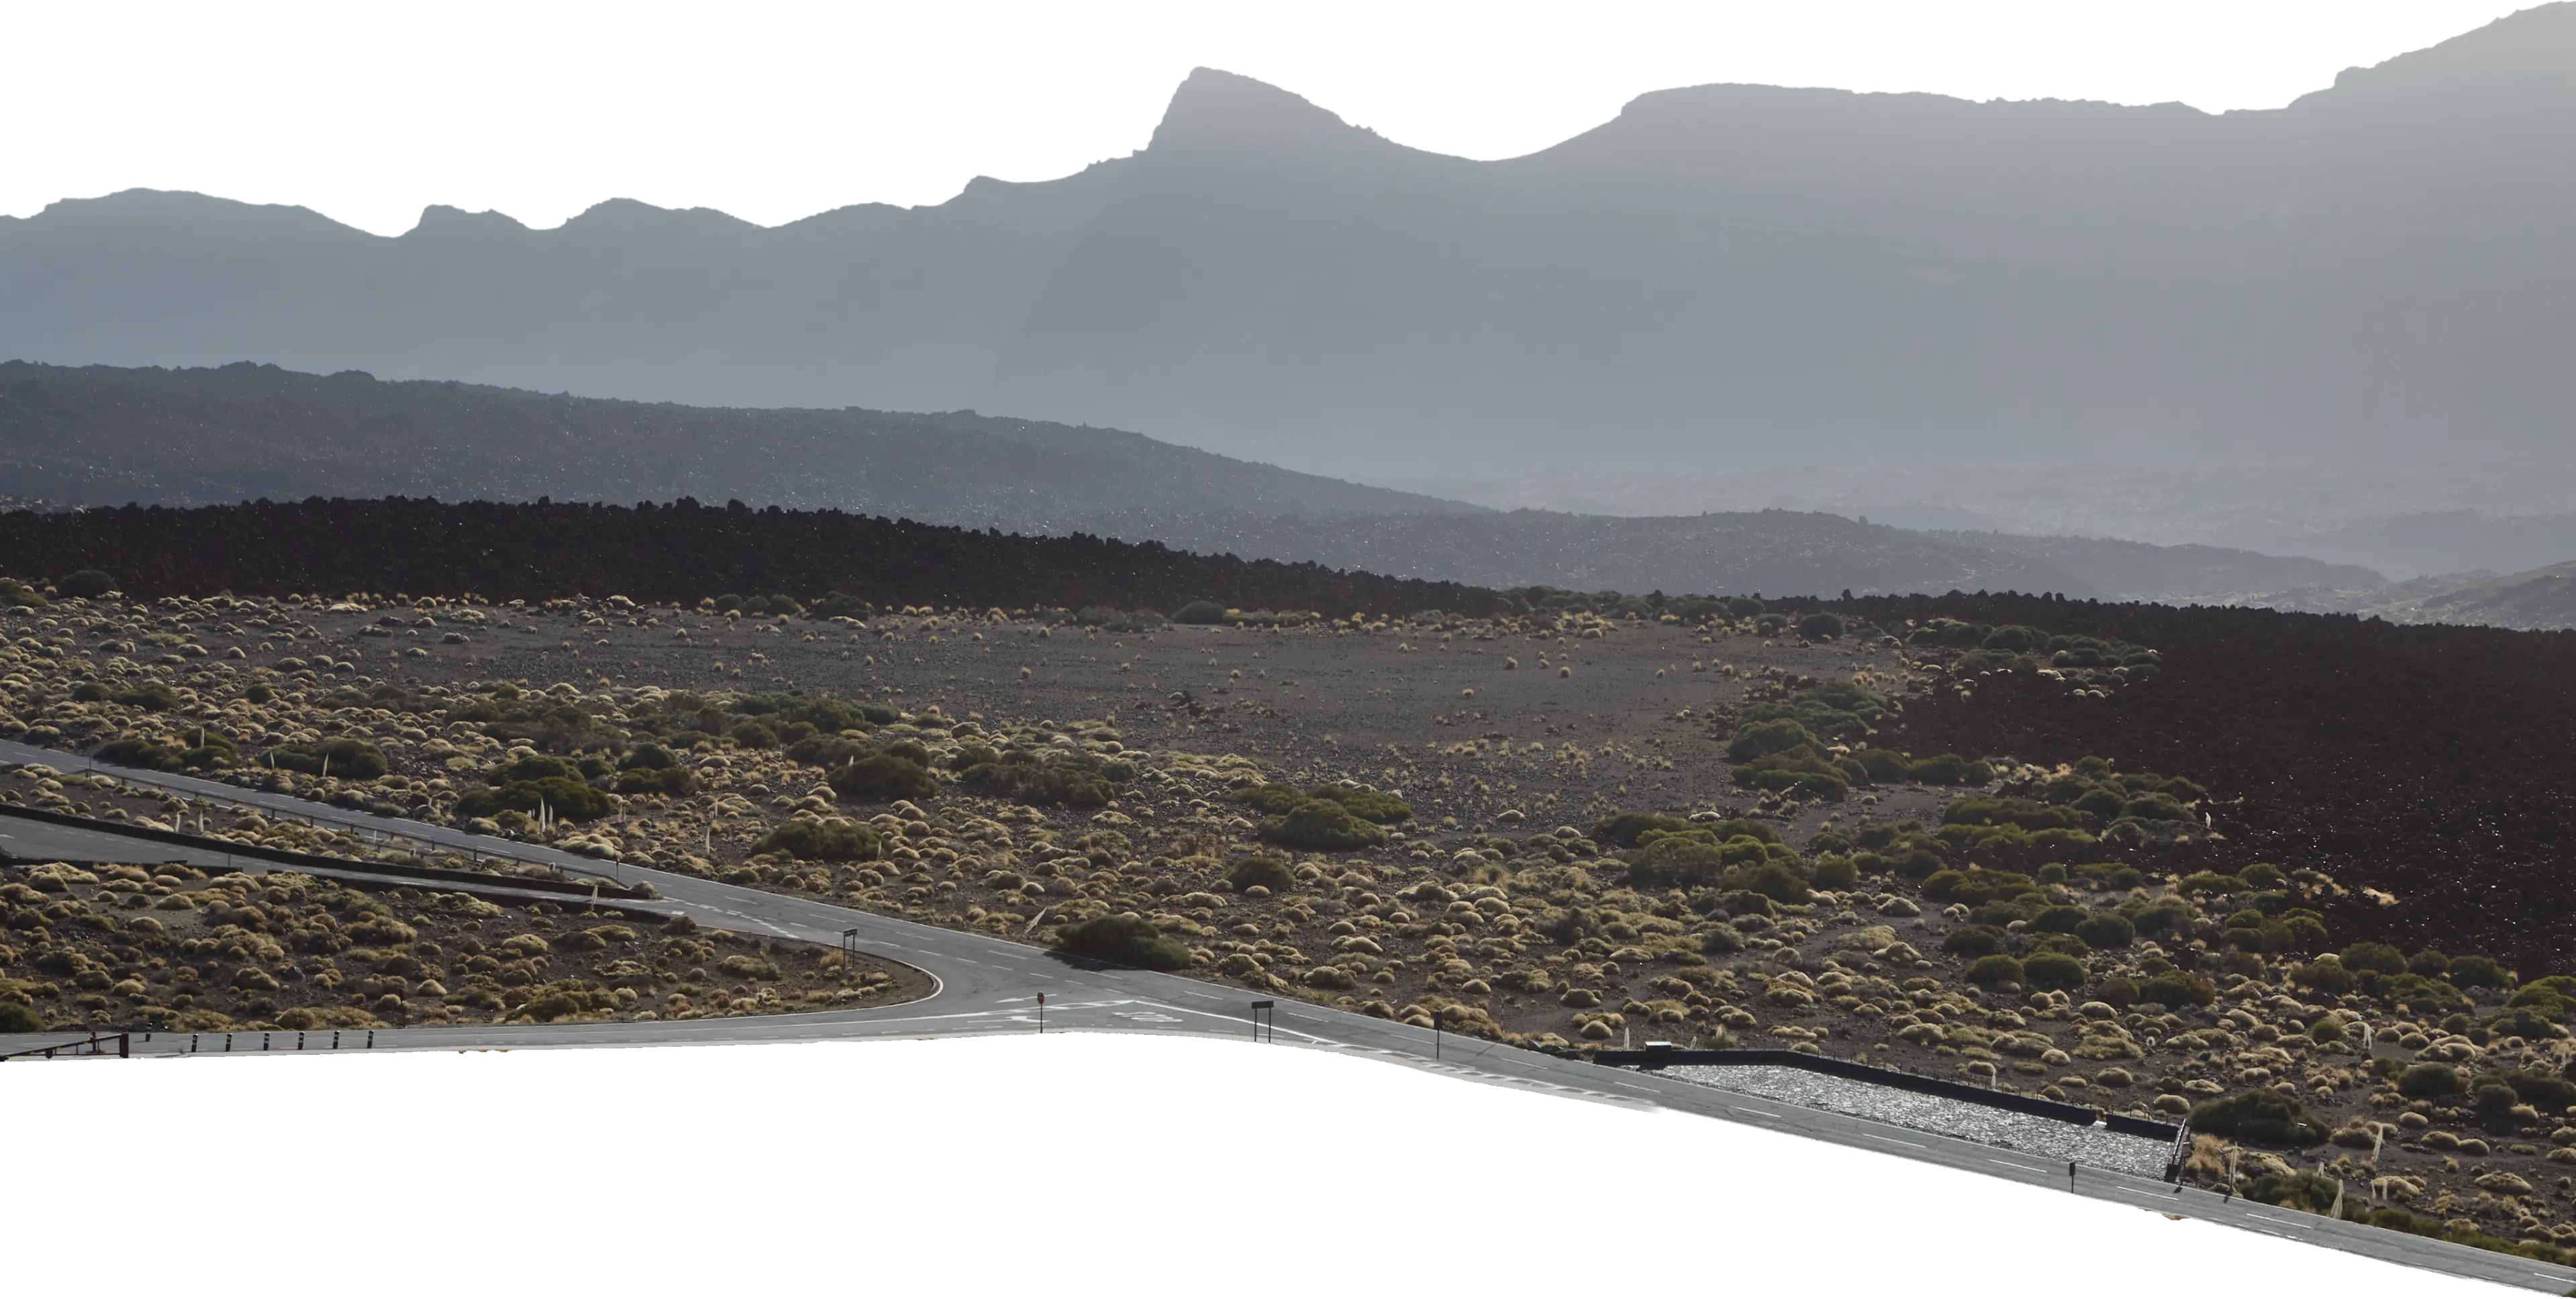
1265 1020
1041 1012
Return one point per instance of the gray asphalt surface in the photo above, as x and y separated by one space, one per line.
989 985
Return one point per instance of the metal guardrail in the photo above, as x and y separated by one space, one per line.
613 870
94 1044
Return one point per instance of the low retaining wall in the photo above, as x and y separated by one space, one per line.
290 857
495 887
1946 1088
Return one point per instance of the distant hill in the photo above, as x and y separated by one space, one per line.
2542 599
104 435
1773 552
210 436
2132 570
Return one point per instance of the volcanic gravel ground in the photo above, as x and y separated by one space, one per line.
2094 1147
2430 763
1384 706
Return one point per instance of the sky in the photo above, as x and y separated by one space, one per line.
1717 279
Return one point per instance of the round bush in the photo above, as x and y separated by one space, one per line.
1268 872
883 778
2429 1080
1200 613
2324 975
1127 940
1820 626
1834 871
2175 988
2108 930
17 1017
1973 941
1321 826
2058 920
2374 956
88 584
1994 971
2476 972
2265 1116
818 841
2053 970
1777 881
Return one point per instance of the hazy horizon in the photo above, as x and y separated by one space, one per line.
1763 274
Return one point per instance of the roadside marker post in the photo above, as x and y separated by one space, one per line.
1041 1012
1265 1015
1435 1030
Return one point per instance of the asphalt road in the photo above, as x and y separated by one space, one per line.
990 985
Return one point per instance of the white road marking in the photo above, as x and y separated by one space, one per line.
1764 1113
1893 1141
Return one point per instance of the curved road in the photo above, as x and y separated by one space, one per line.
991 985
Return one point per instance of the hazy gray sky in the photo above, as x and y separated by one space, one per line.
1717 276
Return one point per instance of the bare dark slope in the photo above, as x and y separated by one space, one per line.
2428 762
241 431
682 552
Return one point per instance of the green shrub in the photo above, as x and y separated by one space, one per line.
2118 990
655 780
1126 940
1820 626
1055 779
151 696
2177 988
1268 872
86 584
2058 919
1621 831
18 1017
1994 971
344 759
564 798
1950 769
1200 613
2323 975
1972 941
536 766
2429 1079
1834 871
134 751
818 841
1976 885
2549 1093
883 778
1775 880
2378 957
2108 930
831 752
1321 825
2066 943
1881 764
1762 739
2046 970
2476 972
752 733
2265 1116
1366 804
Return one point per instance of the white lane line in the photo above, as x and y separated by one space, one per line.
1893 1141
2277 1222
2023 1167
1740 1110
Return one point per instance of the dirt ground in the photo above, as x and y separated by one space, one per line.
1494 904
